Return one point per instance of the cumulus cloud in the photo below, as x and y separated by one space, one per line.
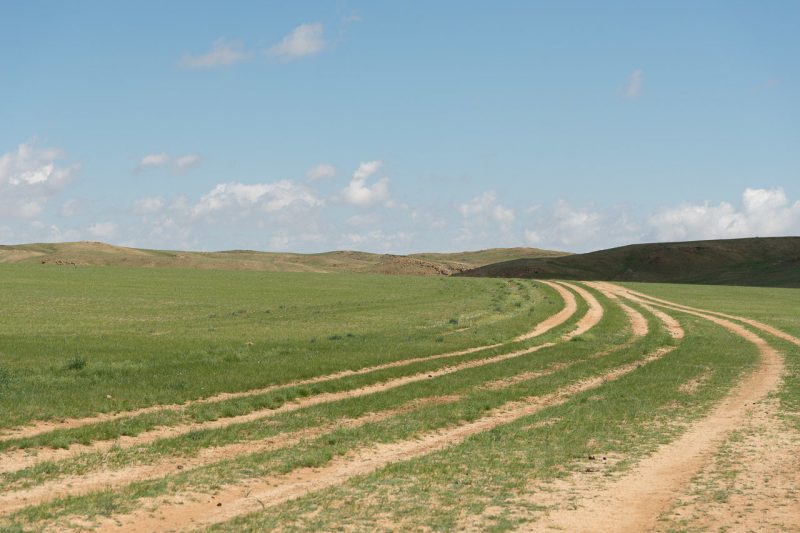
563 225
486 207
29 177
153 161
267 197
177 164
359 193
321 172
304 40
222 54
633 86
185 162
763 212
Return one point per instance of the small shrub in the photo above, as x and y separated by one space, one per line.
76 363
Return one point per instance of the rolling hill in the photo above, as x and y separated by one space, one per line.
101 254
773 261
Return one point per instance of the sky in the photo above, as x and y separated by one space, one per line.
398 126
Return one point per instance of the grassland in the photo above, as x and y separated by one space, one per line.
768 262
100 254
154 399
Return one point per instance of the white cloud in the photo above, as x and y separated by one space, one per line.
321 172
359 193
103 230
565 226
153 161
484 207
179 164
304 40
222 54
185 162
633 86
764 212
29 177
267 197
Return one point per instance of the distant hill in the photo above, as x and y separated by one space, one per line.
100 254
773 261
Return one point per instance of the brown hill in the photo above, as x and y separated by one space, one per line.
101 254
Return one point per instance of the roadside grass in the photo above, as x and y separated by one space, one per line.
318 451
776 307
203 412
614 333
78 341
498 479
715 485
204 329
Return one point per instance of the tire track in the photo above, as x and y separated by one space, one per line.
593 315
634 501
569 309
11 501
19 459
195 510
76 485
766 328
32 430
637 320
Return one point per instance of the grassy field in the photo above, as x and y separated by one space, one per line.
155 399
768 262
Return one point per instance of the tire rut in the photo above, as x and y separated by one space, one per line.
21 459
32 430
196 510
74 485
634 501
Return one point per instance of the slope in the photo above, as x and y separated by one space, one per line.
773 261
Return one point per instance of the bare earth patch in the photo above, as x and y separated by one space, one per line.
634 501
752 483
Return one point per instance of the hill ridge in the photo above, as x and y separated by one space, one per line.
758 261
93 253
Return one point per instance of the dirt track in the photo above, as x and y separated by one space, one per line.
195 510
38 428
630 502
635 501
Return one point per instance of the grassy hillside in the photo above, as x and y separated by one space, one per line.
100 254
771 261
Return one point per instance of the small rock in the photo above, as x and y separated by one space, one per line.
108 397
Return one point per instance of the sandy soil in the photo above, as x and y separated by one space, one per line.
195 510
634 501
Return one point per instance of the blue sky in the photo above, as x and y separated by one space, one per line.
398 126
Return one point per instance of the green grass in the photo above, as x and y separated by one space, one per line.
626 418
77 341
779 308
83 333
